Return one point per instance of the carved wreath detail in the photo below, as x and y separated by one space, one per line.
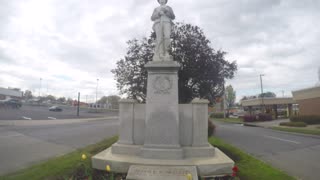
162 85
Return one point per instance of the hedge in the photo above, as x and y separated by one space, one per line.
293 124
217 115
306 119
259 117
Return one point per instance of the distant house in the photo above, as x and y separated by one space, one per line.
308 100
10 93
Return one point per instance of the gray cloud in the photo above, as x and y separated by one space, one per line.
71 43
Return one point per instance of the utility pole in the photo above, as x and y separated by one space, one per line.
262 103
224 101
78 108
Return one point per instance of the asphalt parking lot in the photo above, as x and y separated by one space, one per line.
29 112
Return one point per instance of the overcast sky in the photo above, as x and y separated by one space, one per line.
70 44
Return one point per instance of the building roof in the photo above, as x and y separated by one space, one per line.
308 93
10 92
267 101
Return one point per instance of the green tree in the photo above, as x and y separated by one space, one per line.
268 94
28 94
51 98
69 101
202 72
103 100
230 97
112 100
61 100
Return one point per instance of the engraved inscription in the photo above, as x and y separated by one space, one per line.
160 172
162 85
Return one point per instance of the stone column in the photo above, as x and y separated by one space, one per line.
126 117
200 122
162 113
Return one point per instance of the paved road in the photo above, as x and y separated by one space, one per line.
43 113
298 155
21 146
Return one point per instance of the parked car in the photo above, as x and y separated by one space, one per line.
55 108
13 103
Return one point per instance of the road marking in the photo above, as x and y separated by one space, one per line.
295 142
52 118
14 135
27 118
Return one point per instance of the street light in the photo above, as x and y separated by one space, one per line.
262 105
40 88
97 91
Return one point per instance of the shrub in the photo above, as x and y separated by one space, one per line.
307 119
264 117
217 115
211 128
259 117
293 124
249 118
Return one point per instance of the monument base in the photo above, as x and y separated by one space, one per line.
216 165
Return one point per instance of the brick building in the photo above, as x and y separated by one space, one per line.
10 93
308 100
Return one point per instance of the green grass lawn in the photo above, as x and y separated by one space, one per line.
298 130
228 120
249 167
60 167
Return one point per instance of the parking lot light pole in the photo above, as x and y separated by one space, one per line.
262 103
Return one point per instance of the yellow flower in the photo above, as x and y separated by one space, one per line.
108 169
189 176
84 156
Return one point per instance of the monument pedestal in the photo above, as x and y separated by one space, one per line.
163 132
162 112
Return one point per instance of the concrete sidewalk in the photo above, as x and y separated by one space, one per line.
50 122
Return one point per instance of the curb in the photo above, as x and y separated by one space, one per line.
295 133
51 122
253 125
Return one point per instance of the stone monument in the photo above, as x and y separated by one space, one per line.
167 137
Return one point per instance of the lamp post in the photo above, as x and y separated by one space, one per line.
40 87
262 103
97 91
